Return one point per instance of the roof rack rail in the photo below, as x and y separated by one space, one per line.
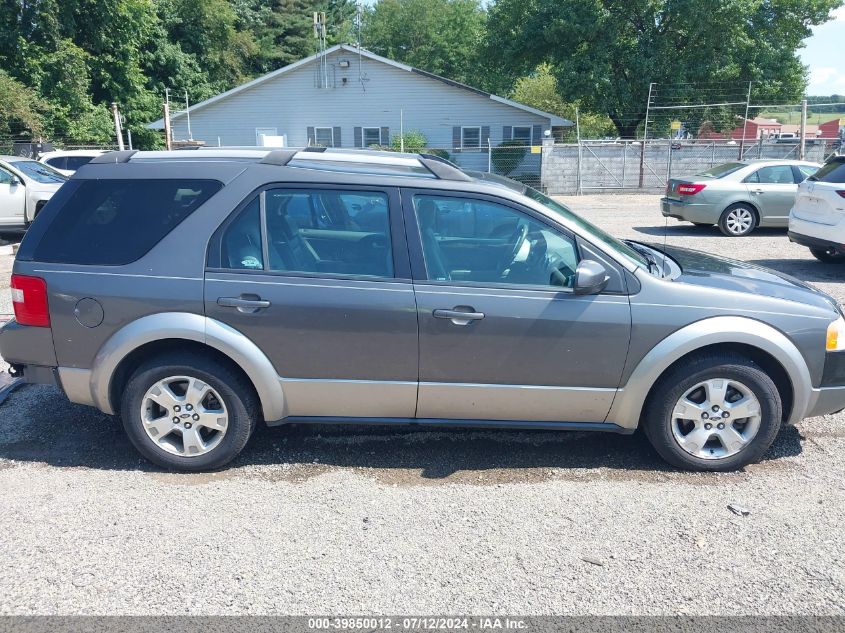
114 157
279 157
442 168
314 149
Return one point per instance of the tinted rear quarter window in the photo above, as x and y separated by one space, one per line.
115 222
720 171
833 171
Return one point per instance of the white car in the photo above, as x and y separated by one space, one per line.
25 186
67 162
817 219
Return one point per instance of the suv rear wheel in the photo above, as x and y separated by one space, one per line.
717 412
188 412
828 256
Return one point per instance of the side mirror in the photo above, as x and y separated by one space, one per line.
590 278
15 181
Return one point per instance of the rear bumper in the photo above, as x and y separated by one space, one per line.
703 213
805 238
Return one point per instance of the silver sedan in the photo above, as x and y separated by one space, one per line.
738 197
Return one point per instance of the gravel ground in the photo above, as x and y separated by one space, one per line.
379 520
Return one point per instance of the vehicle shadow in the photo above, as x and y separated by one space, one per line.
39 425
690 230
810 270
11 237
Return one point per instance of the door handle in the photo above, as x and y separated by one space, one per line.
459 316
759 191
243 304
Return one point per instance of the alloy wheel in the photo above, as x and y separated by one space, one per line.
184 416
739 221
716 418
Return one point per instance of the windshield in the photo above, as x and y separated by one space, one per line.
39 172
596 233
720 171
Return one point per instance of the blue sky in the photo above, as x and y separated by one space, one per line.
824 56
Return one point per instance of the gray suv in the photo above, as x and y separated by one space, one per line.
199 293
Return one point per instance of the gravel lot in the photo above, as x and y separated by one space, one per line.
378 520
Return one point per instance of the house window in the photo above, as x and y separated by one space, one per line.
324 137
521 133
371 136
471 137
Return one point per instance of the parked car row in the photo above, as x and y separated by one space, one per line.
26 184
739 197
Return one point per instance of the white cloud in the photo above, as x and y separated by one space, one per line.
826 80
839 14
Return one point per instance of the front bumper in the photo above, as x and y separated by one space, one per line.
702 213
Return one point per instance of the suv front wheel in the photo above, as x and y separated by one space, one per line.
718 412
187 412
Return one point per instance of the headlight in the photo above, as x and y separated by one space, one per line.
835 341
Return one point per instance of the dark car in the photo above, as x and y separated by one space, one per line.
201 293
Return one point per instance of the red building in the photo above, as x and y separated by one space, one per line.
756 128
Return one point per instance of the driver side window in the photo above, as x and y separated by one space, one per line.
471 240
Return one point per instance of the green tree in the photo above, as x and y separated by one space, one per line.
606 52
21 108
444 37
539 90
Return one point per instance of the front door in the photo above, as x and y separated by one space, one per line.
319 279
502 334
12 198
773 190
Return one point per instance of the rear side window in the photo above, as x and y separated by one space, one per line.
114 222
75 162
833 171
720 171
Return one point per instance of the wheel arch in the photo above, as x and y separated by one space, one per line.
759 341
148 335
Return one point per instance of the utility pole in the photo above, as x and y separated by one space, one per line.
645 137
745 120
168 133
188 114
578 139
803 133
117 131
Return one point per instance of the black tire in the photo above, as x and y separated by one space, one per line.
234 390
657 415
727 227
828 256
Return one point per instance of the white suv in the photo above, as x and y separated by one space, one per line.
817 219
68 161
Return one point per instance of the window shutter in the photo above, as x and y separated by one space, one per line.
384 133
336 137
485 136
358 135
507 132
456 136
311 140
536 134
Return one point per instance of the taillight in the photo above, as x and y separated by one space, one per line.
841 193
29 299
689 190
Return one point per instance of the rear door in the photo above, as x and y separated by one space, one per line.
772 189
12 198
319 279
502 334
